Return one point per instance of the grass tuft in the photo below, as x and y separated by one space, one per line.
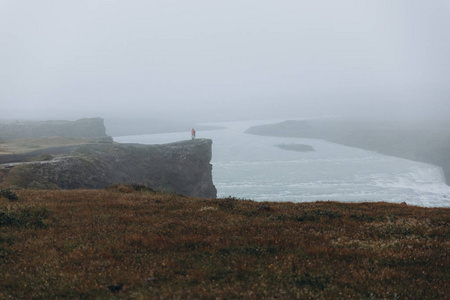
27 217
8 194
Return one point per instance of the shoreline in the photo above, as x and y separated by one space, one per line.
426 145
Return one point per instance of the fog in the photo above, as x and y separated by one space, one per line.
224 60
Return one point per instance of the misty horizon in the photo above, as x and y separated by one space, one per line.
205 61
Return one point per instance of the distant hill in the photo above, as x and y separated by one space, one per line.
83 128
423 142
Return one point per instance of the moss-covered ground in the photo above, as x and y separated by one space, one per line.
132 243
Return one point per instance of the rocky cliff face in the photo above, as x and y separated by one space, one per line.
182 167
84 128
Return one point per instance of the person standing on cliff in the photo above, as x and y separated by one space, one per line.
193 133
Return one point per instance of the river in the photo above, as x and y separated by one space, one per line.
253 167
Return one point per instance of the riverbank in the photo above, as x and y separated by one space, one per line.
424 142
131 242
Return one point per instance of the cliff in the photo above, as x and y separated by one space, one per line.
183 168
84 128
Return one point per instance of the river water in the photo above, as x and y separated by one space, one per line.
252 167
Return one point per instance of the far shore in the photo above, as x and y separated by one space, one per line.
424 142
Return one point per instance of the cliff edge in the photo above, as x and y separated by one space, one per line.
182 167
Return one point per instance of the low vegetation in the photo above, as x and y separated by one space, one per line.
8 194
131 242
28 145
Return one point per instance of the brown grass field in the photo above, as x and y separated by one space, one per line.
126 243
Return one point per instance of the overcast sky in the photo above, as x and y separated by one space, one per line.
217 60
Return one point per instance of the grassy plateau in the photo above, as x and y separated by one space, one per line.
23 146
128 242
